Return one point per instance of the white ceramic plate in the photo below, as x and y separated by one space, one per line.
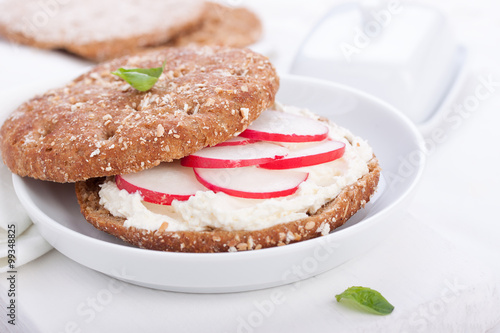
395 140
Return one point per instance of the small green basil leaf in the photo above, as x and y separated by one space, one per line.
141 79
366 299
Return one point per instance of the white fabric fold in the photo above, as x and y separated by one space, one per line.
29 244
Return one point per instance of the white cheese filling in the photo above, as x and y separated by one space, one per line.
208 210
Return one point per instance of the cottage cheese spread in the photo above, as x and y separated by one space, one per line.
208 210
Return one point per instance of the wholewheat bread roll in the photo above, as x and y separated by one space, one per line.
330 216
98 125
101 30
222 25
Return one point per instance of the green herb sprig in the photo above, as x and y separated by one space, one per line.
365 299
141 79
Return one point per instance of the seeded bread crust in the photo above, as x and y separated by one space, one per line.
98 125
221 25
331 216
97 29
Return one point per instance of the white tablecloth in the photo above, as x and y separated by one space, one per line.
440 268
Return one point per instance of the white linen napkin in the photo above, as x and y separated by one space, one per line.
29 244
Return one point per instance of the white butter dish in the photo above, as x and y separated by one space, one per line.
404 54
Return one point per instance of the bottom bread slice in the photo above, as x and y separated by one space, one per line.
329 217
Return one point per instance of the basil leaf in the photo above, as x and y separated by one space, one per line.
141 79
366 299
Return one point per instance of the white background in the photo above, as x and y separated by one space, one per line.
440 268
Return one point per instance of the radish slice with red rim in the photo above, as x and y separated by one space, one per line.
308 155
251 182
162 184
285 127
235 156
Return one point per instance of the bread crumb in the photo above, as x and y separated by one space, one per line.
210 102
75 106
95 152
310 225
163 227
324 229
160 130
244 113
250 242
242 246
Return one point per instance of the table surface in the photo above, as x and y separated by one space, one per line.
440 267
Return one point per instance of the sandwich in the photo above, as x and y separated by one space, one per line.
204 161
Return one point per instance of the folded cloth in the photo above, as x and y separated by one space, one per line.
29 244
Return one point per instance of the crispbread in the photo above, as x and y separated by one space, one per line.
98 125
331 216
101 30
221 25
98 29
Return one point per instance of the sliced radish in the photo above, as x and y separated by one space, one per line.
235 141
251 182
162 184
311 154
285 127
235 156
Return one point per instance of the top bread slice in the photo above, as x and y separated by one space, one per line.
101 30
98 125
